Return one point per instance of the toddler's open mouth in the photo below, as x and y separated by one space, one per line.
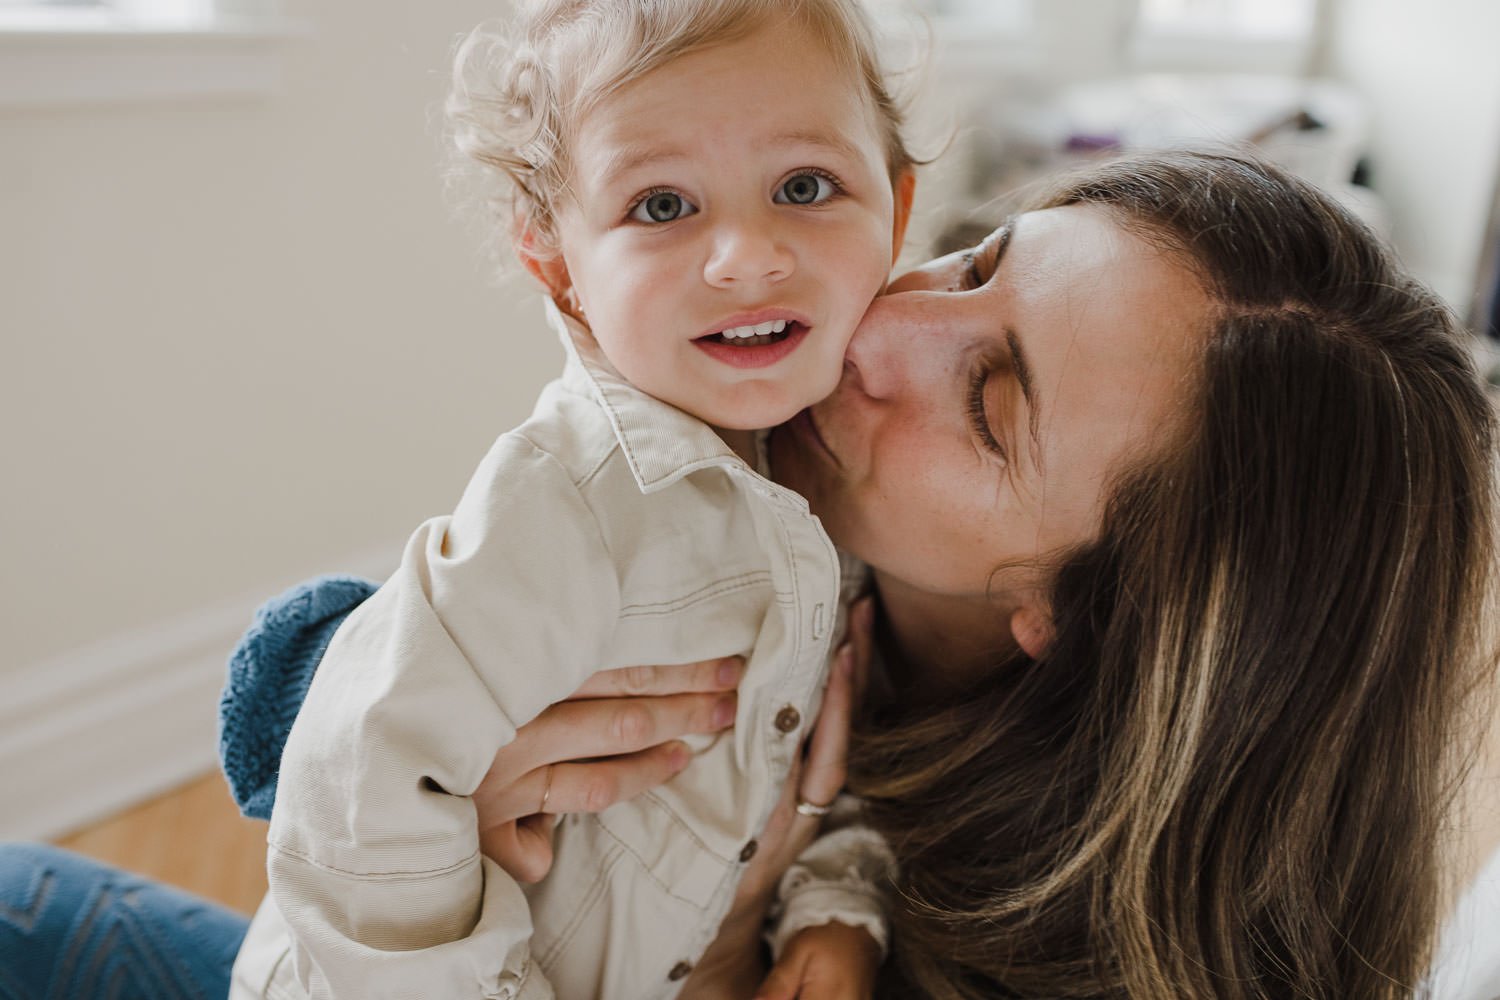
758 335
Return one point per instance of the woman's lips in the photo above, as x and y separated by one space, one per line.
756 355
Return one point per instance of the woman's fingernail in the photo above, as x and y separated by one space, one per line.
679 756
865 614
729 671
724 711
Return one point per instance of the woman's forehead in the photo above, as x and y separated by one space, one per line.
1086 259
1111 325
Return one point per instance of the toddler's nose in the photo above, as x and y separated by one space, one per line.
745 252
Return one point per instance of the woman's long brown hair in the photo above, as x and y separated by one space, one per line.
1231 774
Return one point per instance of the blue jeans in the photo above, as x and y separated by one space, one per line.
75 929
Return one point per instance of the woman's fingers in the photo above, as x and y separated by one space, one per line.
608 727
784 979
586 754
523 848
517 835
828 750
587 786
596 785
817 777
632 682
826 764
616 737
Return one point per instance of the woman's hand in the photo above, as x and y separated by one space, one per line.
614 738
828 962
732 966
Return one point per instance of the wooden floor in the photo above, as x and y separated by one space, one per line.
192 837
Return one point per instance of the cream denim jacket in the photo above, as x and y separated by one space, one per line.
608 530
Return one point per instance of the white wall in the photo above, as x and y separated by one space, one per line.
243 342
1432 73
241 338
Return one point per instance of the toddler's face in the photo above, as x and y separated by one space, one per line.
731 217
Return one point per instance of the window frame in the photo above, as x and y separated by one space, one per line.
129 52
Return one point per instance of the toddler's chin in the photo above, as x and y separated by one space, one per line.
758 418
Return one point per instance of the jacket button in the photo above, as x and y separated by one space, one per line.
748 851
679 971
788 719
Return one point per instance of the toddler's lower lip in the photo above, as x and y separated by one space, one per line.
753 354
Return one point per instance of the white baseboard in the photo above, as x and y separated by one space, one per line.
101 728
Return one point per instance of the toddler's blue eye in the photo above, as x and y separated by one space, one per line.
805 189
662 206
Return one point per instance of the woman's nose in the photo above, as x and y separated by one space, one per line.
910 335
747 251
896 346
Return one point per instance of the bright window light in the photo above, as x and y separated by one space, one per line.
1011 15
88 13
1242 18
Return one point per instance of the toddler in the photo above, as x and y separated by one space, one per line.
711 192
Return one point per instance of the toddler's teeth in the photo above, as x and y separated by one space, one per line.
754 330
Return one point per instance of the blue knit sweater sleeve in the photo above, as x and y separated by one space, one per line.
269 672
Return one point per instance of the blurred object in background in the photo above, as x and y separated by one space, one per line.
1267 36
1317 128
1093 78
1392 107
1486 316
1493 312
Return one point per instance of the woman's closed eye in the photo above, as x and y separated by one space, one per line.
661 205
981 376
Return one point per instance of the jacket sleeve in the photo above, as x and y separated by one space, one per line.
842 876
374 863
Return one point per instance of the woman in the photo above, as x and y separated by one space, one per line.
1177 496
1229 773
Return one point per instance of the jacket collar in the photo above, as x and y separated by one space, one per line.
661 443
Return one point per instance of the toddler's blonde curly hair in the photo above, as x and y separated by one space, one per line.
520 87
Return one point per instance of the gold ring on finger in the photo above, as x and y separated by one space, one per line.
546 790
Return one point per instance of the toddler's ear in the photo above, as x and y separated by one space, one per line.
549 268
1031 624
905 190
